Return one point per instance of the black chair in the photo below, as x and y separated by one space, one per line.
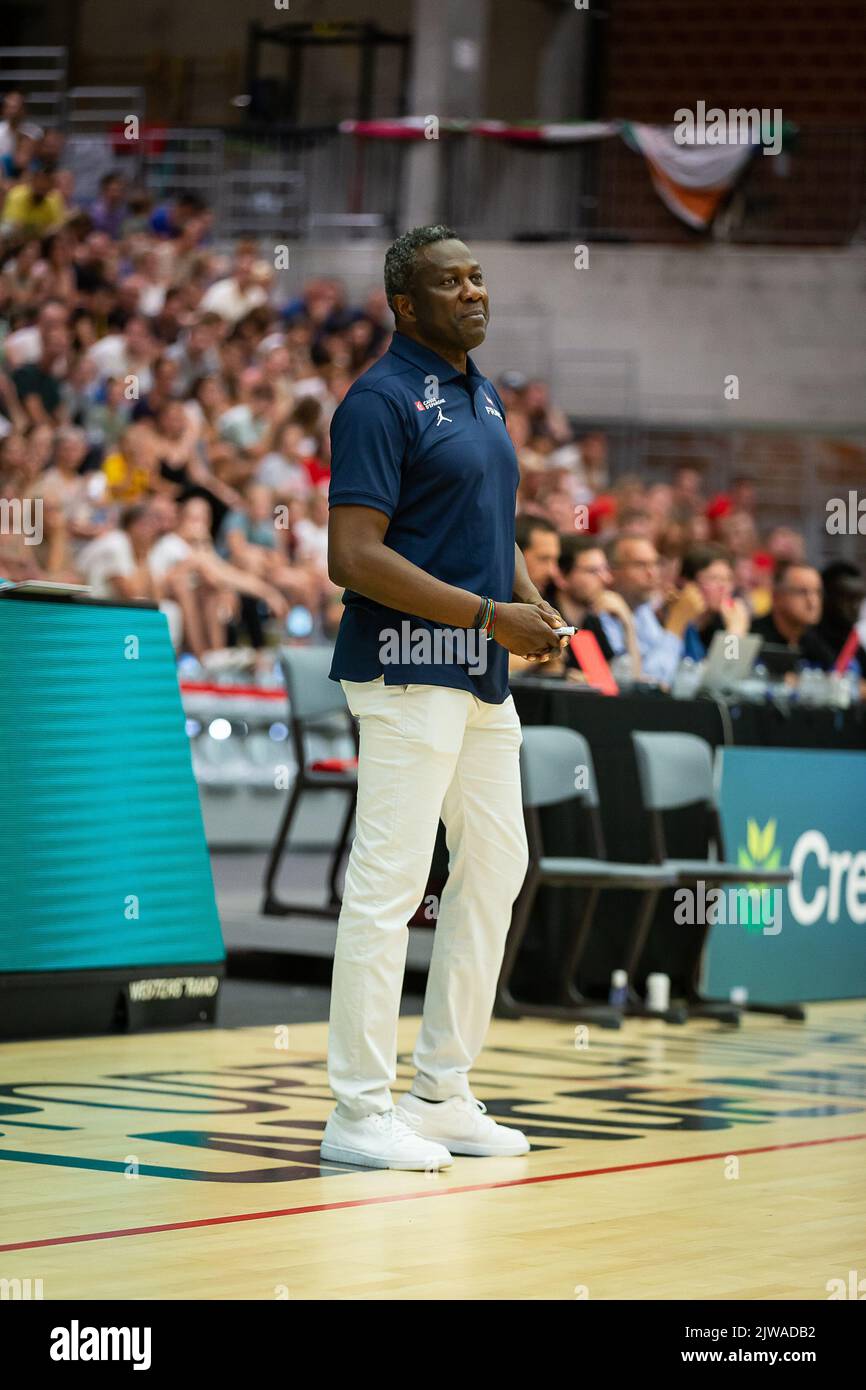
315 701
549 760
676 770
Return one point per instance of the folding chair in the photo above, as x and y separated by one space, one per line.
549 760
676 770
314 700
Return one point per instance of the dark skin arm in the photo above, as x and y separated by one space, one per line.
359 559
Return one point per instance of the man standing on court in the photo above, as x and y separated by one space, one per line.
421 535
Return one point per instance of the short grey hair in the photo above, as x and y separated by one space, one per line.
400 263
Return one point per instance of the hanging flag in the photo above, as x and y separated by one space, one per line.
541 133
402 127
691 180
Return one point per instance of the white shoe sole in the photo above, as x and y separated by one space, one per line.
457 1146
334 1153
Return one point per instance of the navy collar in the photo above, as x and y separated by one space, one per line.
428 361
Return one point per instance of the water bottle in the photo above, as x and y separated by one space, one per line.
618 995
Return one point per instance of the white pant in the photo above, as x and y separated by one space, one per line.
425 751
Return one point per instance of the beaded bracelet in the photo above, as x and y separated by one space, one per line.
482 617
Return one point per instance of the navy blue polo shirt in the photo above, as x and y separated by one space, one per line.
427 445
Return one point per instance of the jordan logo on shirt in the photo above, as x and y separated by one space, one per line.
440 418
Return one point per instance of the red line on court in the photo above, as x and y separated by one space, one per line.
413 1196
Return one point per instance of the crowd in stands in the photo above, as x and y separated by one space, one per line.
167 412
171 415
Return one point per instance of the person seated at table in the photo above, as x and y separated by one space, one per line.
585 600
708 571
844 592
539 541
798 598
634 565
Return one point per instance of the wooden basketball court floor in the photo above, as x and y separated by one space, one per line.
698 1162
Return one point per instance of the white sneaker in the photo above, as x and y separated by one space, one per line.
388 1140
462 1123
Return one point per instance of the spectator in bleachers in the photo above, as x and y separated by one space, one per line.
196 352
511 386
172 218
12 417
547 422
35 206
131 469
39 383
115 564
252 540
49 153
128 354
207 404
150 278
276 365
182 469
530 460
106 419
687 499
282 469
602 515
163 389
318 307
40 450
14 165
245 289
72 492
169 322
108 212
784 543
251 424
311 533
559 507
14 121
741 496
56 267
139 210
659 501
205 587
635 521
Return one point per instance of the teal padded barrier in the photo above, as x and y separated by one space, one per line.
103 860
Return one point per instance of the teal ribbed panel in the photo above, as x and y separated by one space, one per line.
100 811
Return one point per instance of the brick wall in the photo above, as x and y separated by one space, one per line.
807 58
